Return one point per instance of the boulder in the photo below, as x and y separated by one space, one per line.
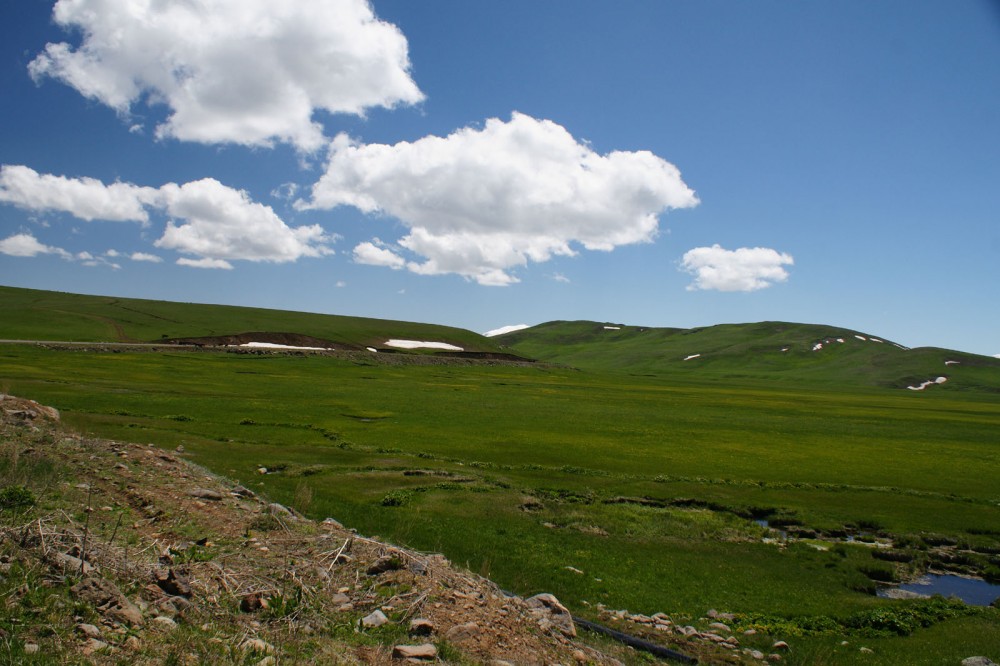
977 661
463 632
551 614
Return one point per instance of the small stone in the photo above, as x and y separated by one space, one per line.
580 656
425 651
31 648
774 658
88 630
267 661
205 494
550 612
385 563
331 522
750 632
376 619
977 661
420 626
719 626
164 622
173 583
132 643
93 645
252 603
257 645
340 599
757 654
462 632
780 645
865 650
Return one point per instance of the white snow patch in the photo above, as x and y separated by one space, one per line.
875 340
929 382
612 328
860 337
420 344
372 350
817 346
784 349
688 358
952 362
902 347
505 329
840 340
272 345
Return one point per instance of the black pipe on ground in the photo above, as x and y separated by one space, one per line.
637 643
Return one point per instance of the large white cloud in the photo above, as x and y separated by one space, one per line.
85 198
482 201
209 220
26 245
745 269
242 71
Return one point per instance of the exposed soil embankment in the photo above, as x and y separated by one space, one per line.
270 337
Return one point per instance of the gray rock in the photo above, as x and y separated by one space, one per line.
164 622
376 619
88 630
551 614
977 661
205 494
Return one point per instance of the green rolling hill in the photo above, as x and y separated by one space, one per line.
30 314
802 353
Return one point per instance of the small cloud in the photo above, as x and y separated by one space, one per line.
505 329
340 284
745 269
112 253
285 191
135 129
559 277
371 254
26 245
142 256
205 263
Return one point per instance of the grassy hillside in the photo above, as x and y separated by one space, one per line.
30 314
800 353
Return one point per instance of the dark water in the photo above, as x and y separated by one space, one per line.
971 591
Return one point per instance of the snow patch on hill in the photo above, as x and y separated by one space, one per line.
421 344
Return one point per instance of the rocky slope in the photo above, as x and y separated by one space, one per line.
113 552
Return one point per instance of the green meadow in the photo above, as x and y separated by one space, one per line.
602 487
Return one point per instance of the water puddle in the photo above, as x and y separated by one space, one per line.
972 591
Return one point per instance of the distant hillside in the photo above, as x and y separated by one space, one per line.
30 314
764 350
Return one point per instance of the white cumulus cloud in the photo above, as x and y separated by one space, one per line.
483 201
222 223
205 262
250 72
744 269
144 256
85 198
370 253
26 245
208 219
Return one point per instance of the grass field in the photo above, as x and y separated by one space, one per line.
636 492
518 467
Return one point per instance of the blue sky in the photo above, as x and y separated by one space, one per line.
480 164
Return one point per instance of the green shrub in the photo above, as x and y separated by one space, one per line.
17 497
397 498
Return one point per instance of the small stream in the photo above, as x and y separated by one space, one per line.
973 591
